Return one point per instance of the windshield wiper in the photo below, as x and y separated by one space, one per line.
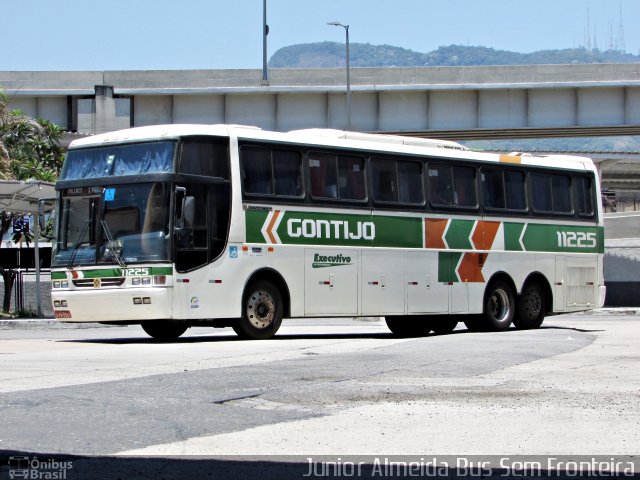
112 248
76 246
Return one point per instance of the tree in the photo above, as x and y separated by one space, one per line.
29 150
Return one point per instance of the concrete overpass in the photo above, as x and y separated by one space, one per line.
445 102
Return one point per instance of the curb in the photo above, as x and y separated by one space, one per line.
48 323
612 311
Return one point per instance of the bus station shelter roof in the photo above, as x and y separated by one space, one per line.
23 196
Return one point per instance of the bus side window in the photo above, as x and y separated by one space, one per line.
541 192
287 173
561 191
384 181
515 190
324 176
410 188
492 189
584 196
440 185
464 179
257 175
204 156
351 180
551 193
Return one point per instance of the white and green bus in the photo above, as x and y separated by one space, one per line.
228 226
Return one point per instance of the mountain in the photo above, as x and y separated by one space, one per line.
332 54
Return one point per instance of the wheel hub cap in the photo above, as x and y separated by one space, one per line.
261 309
500 305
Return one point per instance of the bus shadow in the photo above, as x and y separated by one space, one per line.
229 338
298 336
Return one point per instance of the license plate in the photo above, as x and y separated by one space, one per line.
63 314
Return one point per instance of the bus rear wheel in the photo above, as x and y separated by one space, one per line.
408 326
164 330
499 307
262 311
530 307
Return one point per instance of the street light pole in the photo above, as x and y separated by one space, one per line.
265 32
346 29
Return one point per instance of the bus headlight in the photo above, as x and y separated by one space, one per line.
56 284
146 280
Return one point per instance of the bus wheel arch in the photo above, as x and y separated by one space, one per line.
534 301
265 302
278 281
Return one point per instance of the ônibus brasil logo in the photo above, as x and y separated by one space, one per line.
323 261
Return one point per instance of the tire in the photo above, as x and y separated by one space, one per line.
164 330
530 307
408 326
443 325
262 311
475 323
499 307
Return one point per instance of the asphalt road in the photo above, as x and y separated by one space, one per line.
324 387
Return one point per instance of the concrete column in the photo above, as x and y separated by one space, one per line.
104 110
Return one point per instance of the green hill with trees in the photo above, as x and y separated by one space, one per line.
332 54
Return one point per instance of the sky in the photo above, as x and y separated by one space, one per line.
221 34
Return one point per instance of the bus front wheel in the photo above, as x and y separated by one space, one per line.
164 330
262 311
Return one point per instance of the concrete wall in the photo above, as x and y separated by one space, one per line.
622 276
384 99
29 287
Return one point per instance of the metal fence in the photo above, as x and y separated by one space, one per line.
620 201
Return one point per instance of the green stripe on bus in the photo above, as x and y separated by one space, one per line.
447 262
115 272
358 230
457 236
512 232
563 238
402 232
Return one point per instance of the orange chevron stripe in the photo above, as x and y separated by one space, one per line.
470 269
434 231
484 235
270 226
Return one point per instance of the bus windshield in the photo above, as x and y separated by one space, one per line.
119 160
115 224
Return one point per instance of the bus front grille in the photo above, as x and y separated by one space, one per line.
98 282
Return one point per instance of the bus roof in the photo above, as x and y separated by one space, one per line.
324 137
